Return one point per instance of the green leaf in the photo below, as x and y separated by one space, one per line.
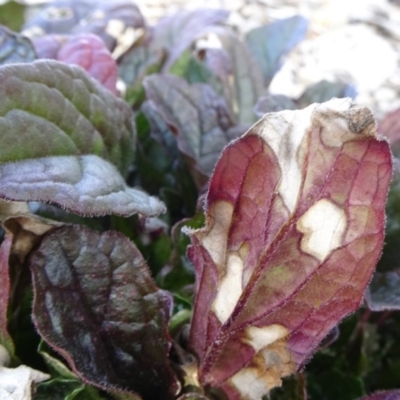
48 108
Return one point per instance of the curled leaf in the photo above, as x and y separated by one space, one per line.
294 227
96 304
85 185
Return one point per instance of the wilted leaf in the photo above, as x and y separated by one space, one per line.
324 91
270 43
383 293
48 108
15 48
85 185
198 118
295 225
383 395
274 103
97 305
117 23
176 33
5 338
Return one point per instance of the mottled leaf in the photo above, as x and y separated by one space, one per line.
294 227
198 118
271 42
85 185
5 338
15 48
177 32
383 293
48 108
324 91
96 304
117 23
274 103
383 395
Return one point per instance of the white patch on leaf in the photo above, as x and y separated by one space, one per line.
16 383
258 338
230 288
250 384
214 240
323 225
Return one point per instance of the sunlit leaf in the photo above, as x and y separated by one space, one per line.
295 219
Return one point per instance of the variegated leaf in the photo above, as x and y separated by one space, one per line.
295 225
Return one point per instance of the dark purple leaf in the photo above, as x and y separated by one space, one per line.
196 115
96 304
383 293
15 48
383 395
270 43
295 225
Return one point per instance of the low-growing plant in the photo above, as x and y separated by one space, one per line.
114 136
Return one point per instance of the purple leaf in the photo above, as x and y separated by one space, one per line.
96 304
85 185
270 43
86 50
197 116
177 32
114 22
15 48
383 395
295 219
383 293
232 62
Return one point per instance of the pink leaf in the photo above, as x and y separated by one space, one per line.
89 51
295 225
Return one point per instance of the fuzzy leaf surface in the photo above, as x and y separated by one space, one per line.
197 116
294 227
383 395
15 48
85 185
48 108
276 40
96 304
